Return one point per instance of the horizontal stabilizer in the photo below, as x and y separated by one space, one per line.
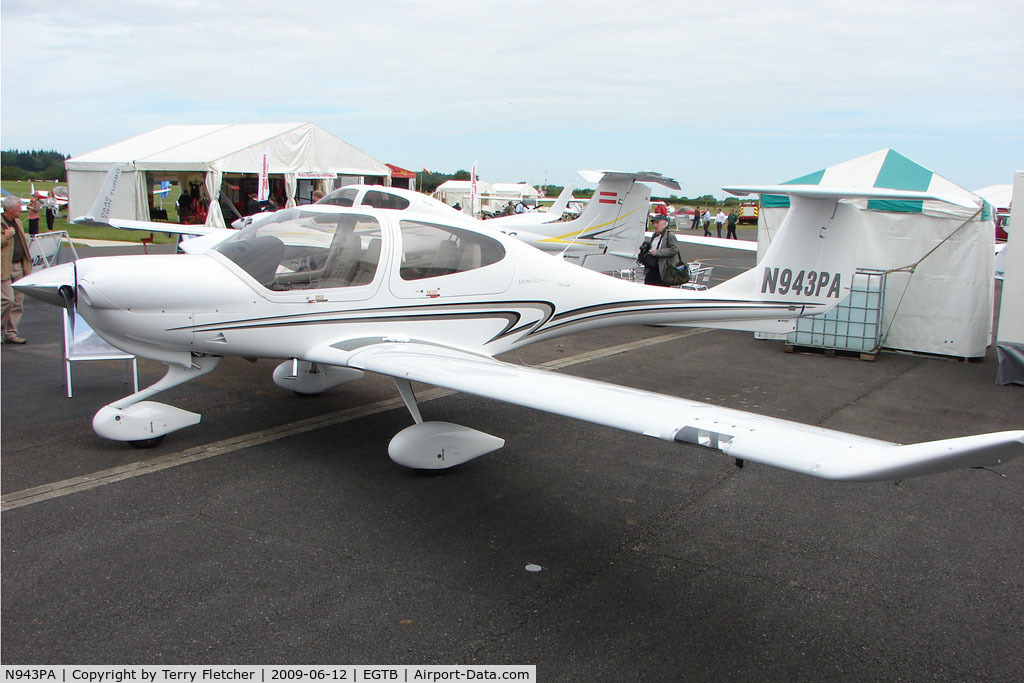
824 192
639 176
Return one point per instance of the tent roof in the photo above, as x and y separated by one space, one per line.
517 189
238 148
887 169
998 196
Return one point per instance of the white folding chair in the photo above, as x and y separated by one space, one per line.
82 343
700 276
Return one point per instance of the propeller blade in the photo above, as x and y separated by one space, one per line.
69 296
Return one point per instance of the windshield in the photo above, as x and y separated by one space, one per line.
303 248
384 200
341 197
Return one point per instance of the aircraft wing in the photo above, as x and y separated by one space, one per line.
742 245
789 445
149 226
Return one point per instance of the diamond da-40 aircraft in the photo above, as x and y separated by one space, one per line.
334 292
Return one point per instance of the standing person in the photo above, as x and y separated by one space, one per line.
184 202
16 263
705 221
719 221
731 232
696 219
251 205
50 204
34 205
665 252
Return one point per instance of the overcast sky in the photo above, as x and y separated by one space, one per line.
715 94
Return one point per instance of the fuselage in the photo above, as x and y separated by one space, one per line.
335 276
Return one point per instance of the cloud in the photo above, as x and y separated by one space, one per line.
418 79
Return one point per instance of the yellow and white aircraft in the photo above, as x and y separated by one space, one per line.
334 292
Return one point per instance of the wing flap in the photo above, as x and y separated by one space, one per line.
789 445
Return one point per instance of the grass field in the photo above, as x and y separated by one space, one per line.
22 188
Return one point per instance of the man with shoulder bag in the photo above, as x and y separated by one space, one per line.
661 258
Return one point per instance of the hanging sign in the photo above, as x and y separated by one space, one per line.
263 193
315 175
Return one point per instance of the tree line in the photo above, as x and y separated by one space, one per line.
49 165
36 164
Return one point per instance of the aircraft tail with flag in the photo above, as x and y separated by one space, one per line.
607 235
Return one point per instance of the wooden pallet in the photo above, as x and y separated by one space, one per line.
821 351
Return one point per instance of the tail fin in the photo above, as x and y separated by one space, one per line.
812 259
562 203
99 214
608 233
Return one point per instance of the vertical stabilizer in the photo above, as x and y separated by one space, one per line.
813 257
99 214
607 235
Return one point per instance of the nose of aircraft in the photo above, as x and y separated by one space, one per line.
141 284
46 284
180 283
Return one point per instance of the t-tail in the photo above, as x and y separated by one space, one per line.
812 259
608 233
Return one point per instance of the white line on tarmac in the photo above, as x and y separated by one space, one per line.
65 487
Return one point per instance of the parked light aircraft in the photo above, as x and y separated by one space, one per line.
335 292
605 237
60 196
550 214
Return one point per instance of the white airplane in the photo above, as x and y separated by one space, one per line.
551 214
60 195
335 292
605 237
607 234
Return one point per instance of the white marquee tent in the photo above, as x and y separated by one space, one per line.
999 196
491 196
938 259
1010 342
204 153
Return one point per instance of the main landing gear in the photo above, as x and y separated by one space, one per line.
436 445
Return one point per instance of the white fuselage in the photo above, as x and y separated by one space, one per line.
168 307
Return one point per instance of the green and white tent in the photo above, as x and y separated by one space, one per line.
886 169
937 258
